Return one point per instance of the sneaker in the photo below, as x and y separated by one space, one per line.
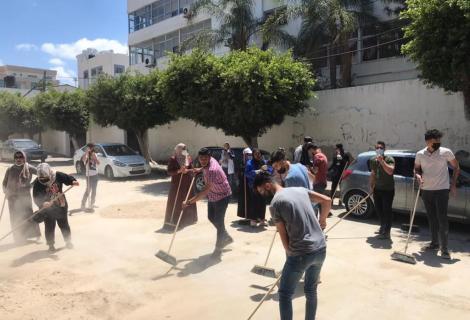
253 223
445 254
52 248
69 245
384 236
227 240
431 246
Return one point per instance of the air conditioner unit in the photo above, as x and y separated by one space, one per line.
187 12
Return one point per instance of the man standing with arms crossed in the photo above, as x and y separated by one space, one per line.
383 187
431 170
302 237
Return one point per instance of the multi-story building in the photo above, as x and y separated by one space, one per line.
26 78
157 27
91 63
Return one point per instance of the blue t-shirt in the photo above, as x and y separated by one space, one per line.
297 176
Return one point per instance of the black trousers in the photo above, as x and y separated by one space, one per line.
52 216
216 214
334 185
436 202
383 201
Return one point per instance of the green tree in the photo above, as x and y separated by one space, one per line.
17 116
243 93
64 111
130 102
439 42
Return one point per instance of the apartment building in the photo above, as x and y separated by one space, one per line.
25 78
91 63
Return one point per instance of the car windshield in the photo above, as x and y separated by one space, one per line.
118 150
25 144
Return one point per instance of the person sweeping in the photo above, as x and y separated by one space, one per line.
47 187
302 237
17 190
218 192
180 170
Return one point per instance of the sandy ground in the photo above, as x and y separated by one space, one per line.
112 272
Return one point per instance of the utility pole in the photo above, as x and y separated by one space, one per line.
44 81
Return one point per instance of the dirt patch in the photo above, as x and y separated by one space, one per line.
135 210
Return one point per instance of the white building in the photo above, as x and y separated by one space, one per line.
25 78
91 63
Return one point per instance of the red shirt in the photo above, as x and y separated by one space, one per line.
321 162
214 174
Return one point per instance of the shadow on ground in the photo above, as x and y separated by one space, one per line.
243 227
200 264
159 188
35 256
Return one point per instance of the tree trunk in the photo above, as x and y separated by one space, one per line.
332 64
466 100
142 139
252 142
75 143
346 63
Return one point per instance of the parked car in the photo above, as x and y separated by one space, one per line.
216 153
116 160
32 150
355 186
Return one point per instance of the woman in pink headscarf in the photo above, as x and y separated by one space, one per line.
179 168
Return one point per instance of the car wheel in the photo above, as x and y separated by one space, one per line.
79 167
200 184
364 210
108 172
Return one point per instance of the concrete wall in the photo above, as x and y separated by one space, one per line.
397 112
109 134
55 142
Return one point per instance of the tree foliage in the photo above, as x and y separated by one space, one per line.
243 93
17 116
439 42
64 111
130 102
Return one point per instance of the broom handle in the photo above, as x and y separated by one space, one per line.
244 187
412 219
28 219
270 247
348 213
179 219
176 198
3 206
264 298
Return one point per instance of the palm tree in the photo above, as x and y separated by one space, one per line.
238 26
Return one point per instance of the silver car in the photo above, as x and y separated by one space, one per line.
355 186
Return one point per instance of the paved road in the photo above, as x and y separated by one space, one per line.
112 272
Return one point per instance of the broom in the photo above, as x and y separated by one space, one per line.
3 206
263 270
403 256
165 255
20 225
279 277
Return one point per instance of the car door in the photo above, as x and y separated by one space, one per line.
101 158
403 176
457 203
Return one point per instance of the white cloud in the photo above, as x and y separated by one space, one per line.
65 75
26 47
1 62
69 51
56 62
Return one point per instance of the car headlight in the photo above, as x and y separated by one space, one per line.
119 163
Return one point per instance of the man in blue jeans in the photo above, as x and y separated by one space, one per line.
302 237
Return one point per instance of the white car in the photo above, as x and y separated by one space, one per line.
116 160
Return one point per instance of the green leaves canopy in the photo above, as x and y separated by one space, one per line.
439 42
243 93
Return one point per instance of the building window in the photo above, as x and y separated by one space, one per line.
118 69
140 19
382 41
85 74
189 33
166 43
96 71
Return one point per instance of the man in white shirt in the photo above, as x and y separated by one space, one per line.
227 163
432 173
298 151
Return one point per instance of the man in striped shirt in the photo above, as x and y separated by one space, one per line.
218 192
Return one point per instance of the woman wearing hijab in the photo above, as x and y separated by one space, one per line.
179 168
340 160
16 187
256 205
242 209
47 194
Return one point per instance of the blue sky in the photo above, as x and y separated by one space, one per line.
49 33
